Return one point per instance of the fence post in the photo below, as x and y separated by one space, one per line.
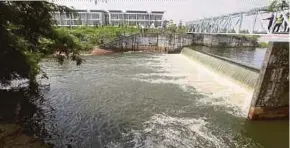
133 43
122 44
137 43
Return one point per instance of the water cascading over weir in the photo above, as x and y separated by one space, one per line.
270 83
241 73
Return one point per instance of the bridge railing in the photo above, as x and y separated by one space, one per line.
250 22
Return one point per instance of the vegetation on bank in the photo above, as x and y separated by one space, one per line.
277 5
263 44
88 37
28 33
12 136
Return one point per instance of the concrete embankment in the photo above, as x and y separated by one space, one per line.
172 43
219 40
151 42
239 72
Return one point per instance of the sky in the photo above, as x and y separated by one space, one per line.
184 10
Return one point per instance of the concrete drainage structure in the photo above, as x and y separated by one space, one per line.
271 96
270 83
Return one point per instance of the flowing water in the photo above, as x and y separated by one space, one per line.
248 56
139 100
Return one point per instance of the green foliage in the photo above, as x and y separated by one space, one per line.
277 5
27 33
171 28
263 44
88 37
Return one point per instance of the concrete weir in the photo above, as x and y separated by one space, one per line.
271 84
243 74
271 96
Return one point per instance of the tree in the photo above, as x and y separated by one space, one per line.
164 24
180 25
171 27
27 34
277 5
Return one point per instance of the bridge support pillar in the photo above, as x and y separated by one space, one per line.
271 95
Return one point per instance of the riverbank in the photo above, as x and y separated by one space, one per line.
13 136
95 51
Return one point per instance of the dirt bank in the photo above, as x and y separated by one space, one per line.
98 51
12 136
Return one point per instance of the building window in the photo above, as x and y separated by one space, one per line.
121 16
67 22
95 16
83 16
76 22
114 16
132 16
158 17
147 17
141 16
152 17
157 24
132 23
64 16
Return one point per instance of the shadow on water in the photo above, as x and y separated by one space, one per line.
270 134
21 106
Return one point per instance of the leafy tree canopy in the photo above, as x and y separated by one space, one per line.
27 33
277 5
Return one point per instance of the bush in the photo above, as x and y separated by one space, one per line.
263 44
88 37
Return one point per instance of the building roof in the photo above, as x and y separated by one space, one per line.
80 10
136 11
161 12
97 11
115 10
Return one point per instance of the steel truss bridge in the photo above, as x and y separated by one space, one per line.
244 23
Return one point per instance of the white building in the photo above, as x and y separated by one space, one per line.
135 18
83 17
112 17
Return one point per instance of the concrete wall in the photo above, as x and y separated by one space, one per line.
239 72
271 96
173 43
165 43
218 40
